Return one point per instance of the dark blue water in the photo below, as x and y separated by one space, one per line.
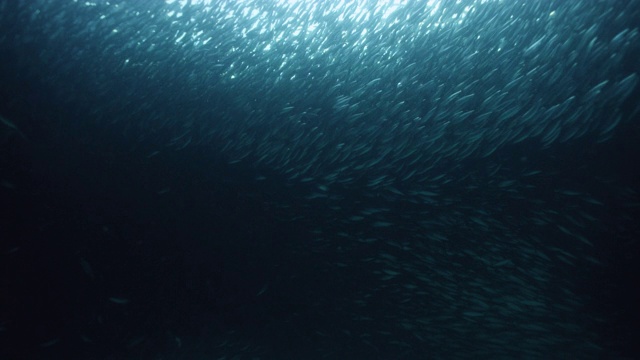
284 180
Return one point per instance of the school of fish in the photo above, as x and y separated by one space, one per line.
419 136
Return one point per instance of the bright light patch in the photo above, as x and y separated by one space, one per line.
184 3
313 28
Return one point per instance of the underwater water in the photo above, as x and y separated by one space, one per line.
271 179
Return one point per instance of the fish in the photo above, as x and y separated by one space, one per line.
119 300
421 145
10 127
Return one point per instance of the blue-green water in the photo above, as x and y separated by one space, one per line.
319 180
